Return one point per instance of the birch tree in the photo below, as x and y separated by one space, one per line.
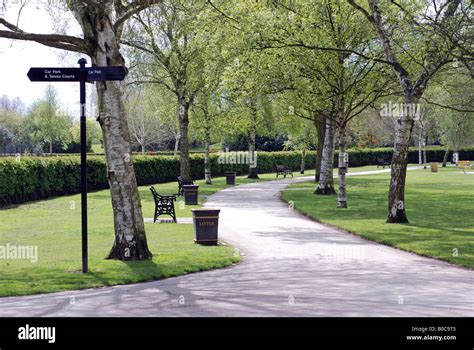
168 52
147 116
206 110
425 50
101 23
207 102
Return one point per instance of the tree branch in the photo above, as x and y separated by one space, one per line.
321 48
125 12
362 10
58 41
447 107
222 13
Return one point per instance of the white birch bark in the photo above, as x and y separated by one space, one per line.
253 172
326 182
320 124
420 147
342 168
207 143
184 161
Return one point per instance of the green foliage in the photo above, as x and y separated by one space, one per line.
46 124
453 88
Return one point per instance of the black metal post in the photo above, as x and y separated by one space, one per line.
82 82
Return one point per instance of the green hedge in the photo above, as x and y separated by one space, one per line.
25 179
369 156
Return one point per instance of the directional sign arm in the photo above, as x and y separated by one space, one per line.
106 73
72 74
53 74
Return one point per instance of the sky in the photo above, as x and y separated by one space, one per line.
16 58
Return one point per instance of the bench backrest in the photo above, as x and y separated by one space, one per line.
159 199
153 192
280 167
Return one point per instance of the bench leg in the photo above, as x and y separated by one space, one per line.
174 218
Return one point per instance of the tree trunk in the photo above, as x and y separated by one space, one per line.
253 172
342 168
130 239
143 149
184 161
420 147
207 144
445 157
425 142
50 147
303 161
326 182
320 124
176 144
396 196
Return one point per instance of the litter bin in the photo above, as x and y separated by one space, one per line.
230 177
206 222
434 167
190 194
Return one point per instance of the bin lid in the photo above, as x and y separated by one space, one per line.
205 209
190 186
203 212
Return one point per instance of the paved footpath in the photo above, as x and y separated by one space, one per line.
293 267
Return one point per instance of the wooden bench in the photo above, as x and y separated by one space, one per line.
464 165
283 170
382 162
164 205
181 183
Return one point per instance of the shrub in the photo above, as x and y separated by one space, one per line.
368 156
25 179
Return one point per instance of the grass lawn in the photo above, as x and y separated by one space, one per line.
53 226
97 148
439 206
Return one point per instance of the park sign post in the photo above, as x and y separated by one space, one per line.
83 75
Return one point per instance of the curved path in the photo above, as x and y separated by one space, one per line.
293 267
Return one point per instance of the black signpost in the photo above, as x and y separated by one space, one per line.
82 100
83 75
